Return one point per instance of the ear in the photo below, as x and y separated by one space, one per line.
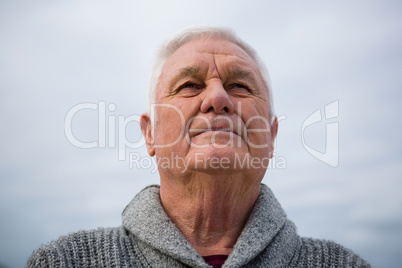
148 133
273 133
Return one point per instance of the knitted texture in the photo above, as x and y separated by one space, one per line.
149 239
104 247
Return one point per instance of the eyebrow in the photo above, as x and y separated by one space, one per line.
239 73
234 72
189 70
185 72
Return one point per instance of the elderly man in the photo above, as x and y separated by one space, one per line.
211 127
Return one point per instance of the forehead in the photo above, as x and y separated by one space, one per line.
204 51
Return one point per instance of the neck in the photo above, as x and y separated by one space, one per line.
210 211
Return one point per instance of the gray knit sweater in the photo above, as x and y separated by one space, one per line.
149 239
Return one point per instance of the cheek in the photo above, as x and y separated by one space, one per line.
172 119
258 129
168 126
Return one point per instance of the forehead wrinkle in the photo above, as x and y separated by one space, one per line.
216 50
236 64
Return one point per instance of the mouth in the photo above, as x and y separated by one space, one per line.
216 126
196 132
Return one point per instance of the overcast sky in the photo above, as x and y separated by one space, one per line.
56 55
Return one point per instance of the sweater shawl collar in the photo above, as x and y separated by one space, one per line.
145 218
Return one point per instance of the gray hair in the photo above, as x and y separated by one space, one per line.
203 31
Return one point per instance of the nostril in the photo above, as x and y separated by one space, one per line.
215 110
212 109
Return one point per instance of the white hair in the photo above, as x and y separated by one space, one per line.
197 32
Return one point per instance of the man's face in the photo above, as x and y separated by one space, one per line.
212 112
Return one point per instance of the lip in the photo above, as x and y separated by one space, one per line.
196 132
205 123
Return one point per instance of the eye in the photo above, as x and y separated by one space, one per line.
189 89
239 88
189 85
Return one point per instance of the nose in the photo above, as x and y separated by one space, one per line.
216 99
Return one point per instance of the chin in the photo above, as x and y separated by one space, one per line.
215 161
215 171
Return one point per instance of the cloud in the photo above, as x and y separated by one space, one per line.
56 55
